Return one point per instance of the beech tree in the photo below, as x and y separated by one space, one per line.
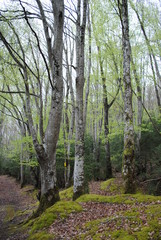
69 120
45 148
128 154
79 183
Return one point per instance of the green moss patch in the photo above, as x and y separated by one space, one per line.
111 228
112 185
61 209
120 227
66 194
142 221
123 198
122 235
10 213
41 236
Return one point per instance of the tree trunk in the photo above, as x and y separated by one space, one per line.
128 156
21 167
106 108
72 118
79 181
49 190
139 113
89 69
45 150
47 153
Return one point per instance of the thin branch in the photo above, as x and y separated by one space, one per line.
19 92
11 114
154 125
150 180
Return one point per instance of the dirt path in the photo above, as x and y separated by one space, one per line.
15 205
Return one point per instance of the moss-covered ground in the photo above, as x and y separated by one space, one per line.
93 216
109 215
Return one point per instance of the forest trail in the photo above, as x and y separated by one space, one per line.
16 204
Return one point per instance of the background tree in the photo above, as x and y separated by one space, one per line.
128 156
79 183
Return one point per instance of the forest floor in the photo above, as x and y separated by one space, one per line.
16 205
105 213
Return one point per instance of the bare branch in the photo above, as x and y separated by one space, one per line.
18 92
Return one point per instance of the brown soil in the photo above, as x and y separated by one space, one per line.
16 205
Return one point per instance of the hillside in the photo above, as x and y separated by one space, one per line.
105 213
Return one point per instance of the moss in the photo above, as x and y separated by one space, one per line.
100 198
132 213
91 229
66 207
143 234
46 201
66 194
10 213
112 186
24 212
122 235
123 198
146 198
101 228
41 236
129 151
61 208
154 210
43 222
106 184
147 233
81 190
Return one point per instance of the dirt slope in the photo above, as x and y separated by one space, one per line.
15 205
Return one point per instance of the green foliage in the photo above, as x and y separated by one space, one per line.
148 166
19 148
89 163
116 150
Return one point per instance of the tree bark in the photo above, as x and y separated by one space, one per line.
106 122
139 112
49 191
79 181
89 69
128 155
72 118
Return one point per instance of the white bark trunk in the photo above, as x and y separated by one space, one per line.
128 156
79 184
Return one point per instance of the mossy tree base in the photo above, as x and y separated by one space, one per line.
47 200
129 186
80 191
